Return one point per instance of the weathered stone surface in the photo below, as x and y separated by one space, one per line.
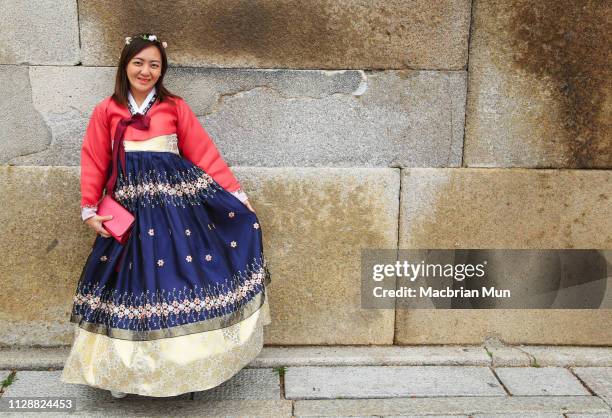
23 130
339 211
575 327
42 32
602 415
509 208
389 382
33 358
535 381
503 355
64 98
341 119
270 118
521 415
506 208
48 383
466 405
570 356
598 379
44 358
43 258
90 401
288 34
315 223
539 93
372 355
249 383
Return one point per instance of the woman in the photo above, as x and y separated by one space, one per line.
181 306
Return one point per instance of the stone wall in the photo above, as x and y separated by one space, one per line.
380 124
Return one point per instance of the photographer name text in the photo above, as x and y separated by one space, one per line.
448 292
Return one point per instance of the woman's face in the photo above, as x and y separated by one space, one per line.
144 69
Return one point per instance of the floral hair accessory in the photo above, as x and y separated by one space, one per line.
146 37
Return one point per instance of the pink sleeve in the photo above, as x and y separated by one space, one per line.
196 145
96 155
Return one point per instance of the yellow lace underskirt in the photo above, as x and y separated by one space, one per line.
169 366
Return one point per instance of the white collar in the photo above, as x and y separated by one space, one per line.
144 104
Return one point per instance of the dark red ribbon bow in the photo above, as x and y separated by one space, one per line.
138 121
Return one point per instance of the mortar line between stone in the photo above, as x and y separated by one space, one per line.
500 381
281 382
583 383
397 244
467 81
79 34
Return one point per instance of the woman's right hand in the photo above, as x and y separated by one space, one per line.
95 223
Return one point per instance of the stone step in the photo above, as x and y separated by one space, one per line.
43 358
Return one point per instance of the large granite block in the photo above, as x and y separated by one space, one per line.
539 93
506 209
314 223
259 117
40 32
284 34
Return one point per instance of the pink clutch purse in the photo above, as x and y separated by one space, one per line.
121 224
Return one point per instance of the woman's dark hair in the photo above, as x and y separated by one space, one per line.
122 84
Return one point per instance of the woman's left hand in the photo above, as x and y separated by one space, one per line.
248 205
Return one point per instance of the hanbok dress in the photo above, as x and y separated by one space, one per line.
181 306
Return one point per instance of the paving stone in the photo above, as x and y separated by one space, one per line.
372 356
522 415
508 356
534 381
461 405
570 356
249 383
41 32
389 381
426 416
409 416
45 358
48 383
171 408
598 379
92 401
603 415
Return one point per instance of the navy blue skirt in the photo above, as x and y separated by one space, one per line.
194 261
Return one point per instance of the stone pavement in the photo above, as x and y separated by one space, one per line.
492 380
